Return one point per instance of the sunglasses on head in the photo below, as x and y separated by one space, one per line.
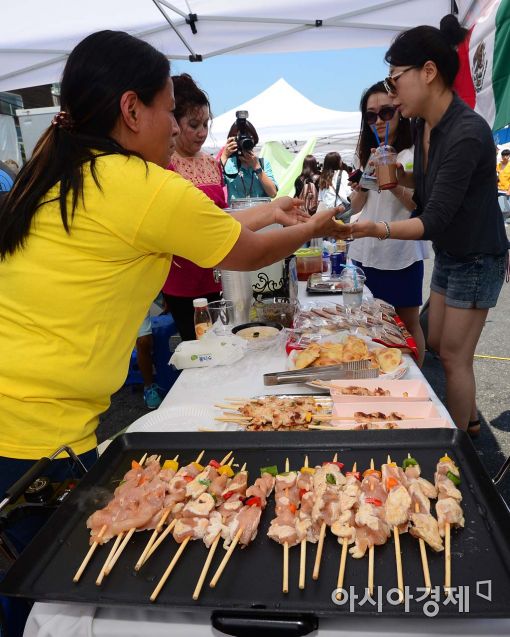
385 113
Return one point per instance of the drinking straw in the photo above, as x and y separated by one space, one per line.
374 129
386 133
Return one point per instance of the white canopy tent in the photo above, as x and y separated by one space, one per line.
36 36
281 113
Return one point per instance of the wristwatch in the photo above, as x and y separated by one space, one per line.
258 170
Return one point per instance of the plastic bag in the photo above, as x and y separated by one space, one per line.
209 352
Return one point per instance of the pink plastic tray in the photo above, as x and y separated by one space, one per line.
415 410
416 390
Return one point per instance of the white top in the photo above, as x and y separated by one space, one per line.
391 254
327 195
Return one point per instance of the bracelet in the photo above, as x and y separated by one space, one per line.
387 235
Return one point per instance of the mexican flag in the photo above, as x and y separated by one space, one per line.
484 78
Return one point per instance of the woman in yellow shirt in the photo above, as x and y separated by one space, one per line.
503 170
87 236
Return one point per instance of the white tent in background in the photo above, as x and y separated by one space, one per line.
281 113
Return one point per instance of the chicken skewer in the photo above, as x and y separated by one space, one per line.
176 495
448 509
231 505
96 543
283 526
397 507
135 501
242 526
344 527
371 526
422 524
304 525
198 520
328 481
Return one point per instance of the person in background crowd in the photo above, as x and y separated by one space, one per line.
188 281
333 182
7 177
309 173
13 165
97 215
394 269
246 175
152 394
503 171
457 204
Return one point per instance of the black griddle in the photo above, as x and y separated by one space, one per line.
250 587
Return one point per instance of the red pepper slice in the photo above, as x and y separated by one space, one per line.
214 463
254 501
292 508
228 495
340 465
356 474
188 478
374 501
302 493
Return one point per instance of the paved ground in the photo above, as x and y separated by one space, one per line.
493 382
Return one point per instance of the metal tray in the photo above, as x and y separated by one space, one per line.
251 585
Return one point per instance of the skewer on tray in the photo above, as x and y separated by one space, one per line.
96 543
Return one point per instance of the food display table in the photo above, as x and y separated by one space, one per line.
205 387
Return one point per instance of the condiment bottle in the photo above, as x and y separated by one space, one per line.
202 318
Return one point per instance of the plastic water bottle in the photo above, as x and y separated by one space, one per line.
326 263
202 318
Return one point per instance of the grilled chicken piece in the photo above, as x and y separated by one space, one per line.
446 489
201 507
397 506
214 527
344 527
425 527
195 528
449 510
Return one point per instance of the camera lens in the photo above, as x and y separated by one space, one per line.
247 144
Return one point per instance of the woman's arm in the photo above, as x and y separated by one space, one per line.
407 229
405 196
256 250
283 210
358 198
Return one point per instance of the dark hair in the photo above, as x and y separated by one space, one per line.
188 95
367 139
421 44
98 71
505 152
309 172
332 163
250 128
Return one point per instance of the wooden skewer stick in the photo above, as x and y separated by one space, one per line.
95 544
170 568
320 546
371 554
447 558
302 557
343 555
424 560
285 585
114 548
398 556
226 558
205 569
164 514
89 555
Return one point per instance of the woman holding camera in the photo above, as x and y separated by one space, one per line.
394 269
457 204
245 174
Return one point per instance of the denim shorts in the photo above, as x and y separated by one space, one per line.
469 282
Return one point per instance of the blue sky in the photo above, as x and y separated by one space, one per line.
333 79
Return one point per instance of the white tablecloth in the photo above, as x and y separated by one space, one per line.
206 386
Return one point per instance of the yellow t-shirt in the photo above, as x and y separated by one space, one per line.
71 304
503 176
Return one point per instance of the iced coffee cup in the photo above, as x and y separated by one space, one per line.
385 160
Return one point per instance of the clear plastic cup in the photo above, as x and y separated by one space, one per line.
385 160
353 280
222 315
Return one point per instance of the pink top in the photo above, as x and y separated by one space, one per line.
187 279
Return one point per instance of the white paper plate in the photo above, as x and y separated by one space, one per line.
181 418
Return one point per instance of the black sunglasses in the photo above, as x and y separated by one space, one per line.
386 113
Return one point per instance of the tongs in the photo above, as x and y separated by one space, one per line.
346 371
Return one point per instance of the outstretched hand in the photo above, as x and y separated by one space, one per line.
288 211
